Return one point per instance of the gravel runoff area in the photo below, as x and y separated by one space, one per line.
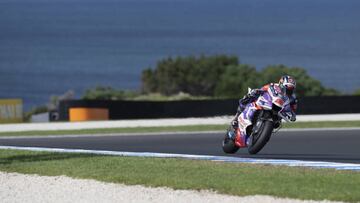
157 122
16 187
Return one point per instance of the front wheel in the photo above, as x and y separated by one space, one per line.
228 144
258 140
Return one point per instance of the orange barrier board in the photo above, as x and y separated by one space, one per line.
88 114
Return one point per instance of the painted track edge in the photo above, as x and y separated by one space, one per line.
291 163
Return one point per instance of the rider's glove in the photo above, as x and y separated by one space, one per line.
254 93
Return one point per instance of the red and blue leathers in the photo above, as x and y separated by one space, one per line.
255 93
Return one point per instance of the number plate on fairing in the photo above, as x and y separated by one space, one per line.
264 103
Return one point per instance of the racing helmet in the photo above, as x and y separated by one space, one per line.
287 84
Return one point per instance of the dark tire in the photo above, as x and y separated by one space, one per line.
263 137
228 145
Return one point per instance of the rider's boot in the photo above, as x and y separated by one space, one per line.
277 124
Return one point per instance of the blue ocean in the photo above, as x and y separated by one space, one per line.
50 46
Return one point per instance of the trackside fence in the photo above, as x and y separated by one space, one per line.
198 108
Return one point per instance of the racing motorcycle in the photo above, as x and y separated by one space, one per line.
258 121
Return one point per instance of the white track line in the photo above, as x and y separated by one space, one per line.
298 163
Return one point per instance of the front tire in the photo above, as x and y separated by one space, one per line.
264 135
228 144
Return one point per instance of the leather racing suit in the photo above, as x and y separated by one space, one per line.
255 93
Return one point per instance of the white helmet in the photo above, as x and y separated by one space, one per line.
287 84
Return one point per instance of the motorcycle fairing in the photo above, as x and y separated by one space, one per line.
265 101
244 121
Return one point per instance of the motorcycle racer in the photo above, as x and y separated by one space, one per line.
287 84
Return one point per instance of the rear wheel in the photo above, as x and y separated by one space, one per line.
228 144
259 139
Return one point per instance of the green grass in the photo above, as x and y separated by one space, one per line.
190 128
226 178
120 130
323 124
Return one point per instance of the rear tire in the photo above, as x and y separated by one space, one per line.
264 137
228 145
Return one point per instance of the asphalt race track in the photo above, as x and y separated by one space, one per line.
317 145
